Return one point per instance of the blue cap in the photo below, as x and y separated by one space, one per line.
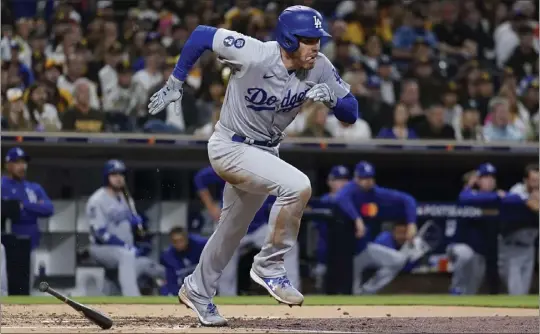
339 172
16 153
486 169
364 170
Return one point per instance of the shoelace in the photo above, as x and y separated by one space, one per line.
212 309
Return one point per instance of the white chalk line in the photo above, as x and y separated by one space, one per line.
49 328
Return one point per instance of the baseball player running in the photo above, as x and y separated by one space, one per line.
111 217
255 236
269 84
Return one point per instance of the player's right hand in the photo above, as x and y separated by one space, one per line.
360 228
171 92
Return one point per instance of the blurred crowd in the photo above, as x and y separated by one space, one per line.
464 70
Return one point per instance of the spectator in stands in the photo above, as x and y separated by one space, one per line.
82 117
23 28
106 44
15 65
389 80
410 97
349 132
43 115
13 115
180 259
506 34
485 92
107 76
123 101
76 69
399 129
501 128
405 36
428 81
467 125
38 43
519 116
58 97
451 33
316 122
179 37
449 100
371 56
477 30
433 125
338 31
375 111
523 60
242 10
530 99
150 75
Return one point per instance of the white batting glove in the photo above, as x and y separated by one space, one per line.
171 92
322 93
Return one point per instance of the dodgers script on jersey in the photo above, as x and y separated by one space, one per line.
262 97
109 214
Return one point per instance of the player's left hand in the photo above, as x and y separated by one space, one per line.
171 92
136 220
322 93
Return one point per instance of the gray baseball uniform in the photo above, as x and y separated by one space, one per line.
262 99
109 220
517 253
3 272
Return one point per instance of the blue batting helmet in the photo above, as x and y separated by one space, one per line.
113 167
298 21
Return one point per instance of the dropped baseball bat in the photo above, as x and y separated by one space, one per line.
94 316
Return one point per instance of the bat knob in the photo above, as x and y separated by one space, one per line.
43 286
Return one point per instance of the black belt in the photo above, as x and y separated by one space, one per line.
249 141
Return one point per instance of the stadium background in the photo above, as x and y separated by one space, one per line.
67 160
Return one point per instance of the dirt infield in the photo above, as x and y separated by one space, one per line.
272 319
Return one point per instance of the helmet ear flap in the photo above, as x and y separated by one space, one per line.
290 43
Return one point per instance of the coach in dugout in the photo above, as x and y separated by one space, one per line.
362 199
31 198
468 253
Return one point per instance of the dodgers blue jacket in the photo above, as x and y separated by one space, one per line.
178 265
34 204
373 205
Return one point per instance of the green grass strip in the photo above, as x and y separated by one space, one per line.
530 301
